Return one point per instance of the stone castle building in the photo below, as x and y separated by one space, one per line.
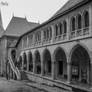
57 52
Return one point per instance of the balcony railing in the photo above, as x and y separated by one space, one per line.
48 40
61 37
37 43
79 32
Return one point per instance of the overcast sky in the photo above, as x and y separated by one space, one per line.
34 10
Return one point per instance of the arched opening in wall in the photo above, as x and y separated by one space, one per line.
25 61
13 55
61 63
73 24
56 30
73 27
47 62
20 62
61 28
79 25
65 27
30 62
37 63
86 19
79 21
80 62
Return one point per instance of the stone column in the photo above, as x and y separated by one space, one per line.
68 28
22 43
42 36
69 72
53 70
34 38
90 20
53 32
28 61
27 42
90 74
90 69
22 62
42 66
34 66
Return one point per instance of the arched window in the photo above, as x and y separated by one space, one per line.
60 26
73 24
20 62
25 61
50 32
47 33
65 26
44 34
30 60
37 62
86 19
56 29
79 19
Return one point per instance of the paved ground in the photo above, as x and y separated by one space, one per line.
16 86
25 86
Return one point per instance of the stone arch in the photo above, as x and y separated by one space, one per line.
60 28
80 63
86 18
60 59
37 61
20 62
56 30
24 61
73 23
65 26
30 61
13 54
47 62
79 21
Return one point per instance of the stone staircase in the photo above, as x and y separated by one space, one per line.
14 68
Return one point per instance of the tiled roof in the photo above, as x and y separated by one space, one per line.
68 5
1 25
19 26
1 31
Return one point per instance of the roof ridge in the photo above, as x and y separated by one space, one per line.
69 4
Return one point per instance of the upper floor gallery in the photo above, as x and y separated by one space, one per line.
74 25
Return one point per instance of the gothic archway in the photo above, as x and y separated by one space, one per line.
61 63
86 18
13 55
25 61
37 62
80 62
20 62
47 62
30 62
